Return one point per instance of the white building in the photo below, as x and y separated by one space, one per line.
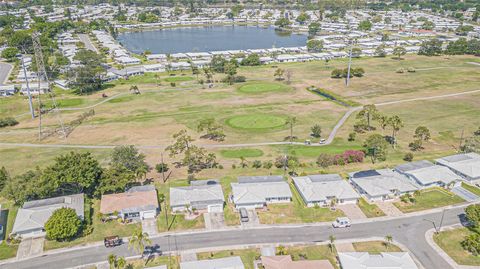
380 185
200 195
427 174
364 260
322 189
258 191
465 165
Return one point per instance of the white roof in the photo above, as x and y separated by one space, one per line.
223 263
382 182
318 187
201 192
384 260
34 214
432 174
465 164
259 189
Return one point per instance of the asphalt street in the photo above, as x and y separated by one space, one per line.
409 231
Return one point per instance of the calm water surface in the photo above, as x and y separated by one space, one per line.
204 39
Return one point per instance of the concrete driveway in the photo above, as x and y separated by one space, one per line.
253 220
465 194
149 226
214 220
389 208
30 247
352 211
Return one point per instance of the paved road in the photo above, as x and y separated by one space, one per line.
409 231
88 43
5 69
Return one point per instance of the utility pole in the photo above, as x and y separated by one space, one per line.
30 104
42 74
347 79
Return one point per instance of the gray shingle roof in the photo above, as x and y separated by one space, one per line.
255 190
382 182
413 166
466 164
200 192
34 214
315 188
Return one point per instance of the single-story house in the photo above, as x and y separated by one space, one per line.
384 184
323 189
258 191
223 263
127 60
33 215
158 57
465 165
427 174
7 90
200 195
137 203
286 262
365 260
152 68
34 88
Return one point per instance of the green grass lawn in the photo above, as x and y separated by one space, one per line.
10 212
470 188
100 231
262 87
257 121
430 198
247 255
322 252
296 212
370 210
172 262
178 79
375 247
237 153
450 242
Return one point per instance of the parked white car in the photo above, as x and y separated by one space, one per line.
342 222
322 141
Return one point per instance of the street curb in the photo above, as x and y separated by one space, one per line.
429 238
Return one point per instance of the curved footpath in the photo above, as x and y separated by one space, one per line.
408 230
328 141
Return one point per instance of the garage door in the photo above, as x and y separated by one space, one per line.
149 215
215 208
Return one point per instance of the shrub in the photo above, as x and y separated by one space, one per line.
336 73
349 156
238 79
408 157
415 145
400 70
357 72
257 164
325 160
161 167
8 122
352 136
173 84
411 69
267 164
472 213
472 244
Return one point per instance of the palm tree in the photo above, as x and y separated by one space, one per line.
281 250
388 240
156 76
138 241
142 171
396 123
112 261
121 263
331 245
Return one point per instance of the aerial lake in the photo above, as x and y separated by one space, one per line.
212 38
